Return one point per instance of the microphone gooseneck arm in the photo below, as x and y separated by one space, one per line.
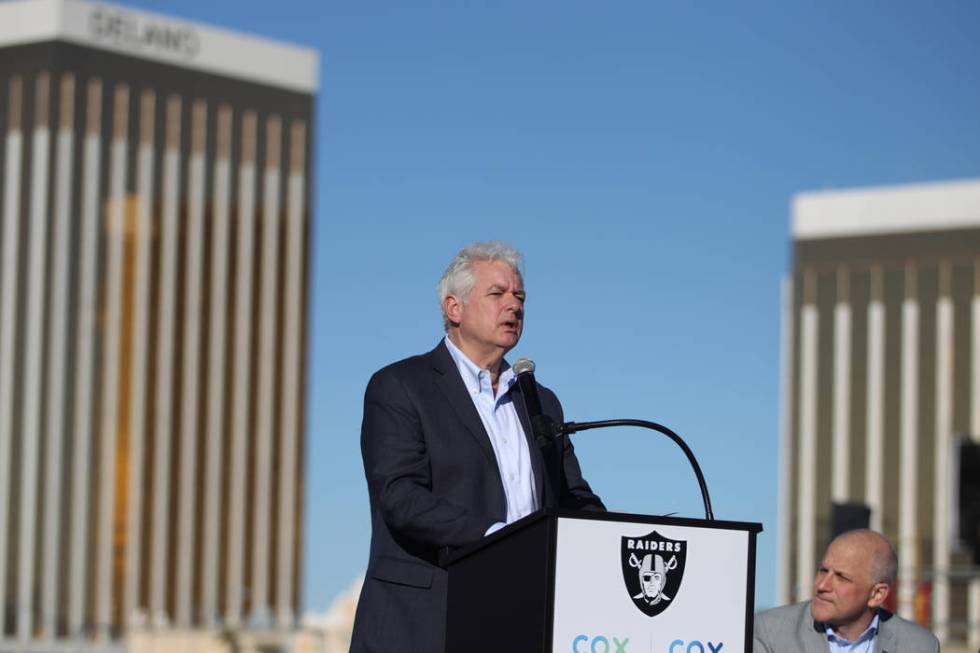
574 427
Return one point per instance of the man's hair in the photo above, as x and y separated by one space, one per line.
884 560
458 278
884 566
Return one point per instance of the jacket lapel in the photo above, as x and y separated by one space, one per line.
817 643
813 636
452 387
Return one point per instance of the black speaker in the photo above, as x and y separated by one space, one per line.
968 499
848 516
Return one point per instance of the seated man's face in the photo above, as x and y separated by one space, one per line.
843 590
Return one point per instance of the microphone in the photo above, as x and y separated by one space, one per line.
541 425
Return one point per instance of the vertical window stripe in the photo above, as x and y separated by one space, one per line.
241 368
85 341
139 351
111 358
291 395
8 307
33 353
809 338
57 346
942 491
874 489
908 448
216 363
840 474
194 255
266 400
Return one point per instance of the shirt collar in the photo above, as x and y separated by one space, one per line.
471 372
869 633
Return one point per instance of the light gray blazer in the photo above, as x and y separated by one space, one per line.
791 629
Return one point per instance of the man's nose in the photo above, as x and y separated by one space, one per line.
822 582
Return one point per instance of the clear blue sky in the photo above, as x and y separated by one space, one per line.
643 155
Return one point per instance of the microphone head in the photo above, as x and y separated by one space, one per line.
524 366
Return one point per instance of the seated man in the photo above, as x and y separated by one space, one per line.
845 614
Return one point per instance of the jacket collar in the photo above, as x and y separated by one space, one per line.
816 639
887 641
450 383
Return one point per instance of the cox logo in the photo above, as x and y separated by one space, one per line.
599 644
694 646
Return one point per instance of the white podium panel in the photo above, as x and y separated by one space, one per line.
626 587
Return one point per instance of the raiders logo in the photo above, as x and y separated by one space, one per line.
653 568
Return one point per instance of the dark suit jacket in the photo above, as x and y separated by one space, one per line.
791 628
433 482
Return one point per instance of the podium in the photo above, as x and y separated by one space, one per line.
603 582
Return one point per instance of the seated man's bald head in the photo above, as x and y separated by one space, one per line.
882 557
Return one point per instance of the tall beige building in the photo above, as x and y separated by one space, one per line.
880 381
154 221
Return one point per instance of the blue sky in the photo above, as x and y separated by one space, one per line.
643 155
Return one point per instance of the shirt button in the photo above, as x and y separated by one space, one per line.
512 477
505 440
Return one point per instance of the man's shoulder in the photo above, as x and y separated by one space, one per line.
793 613
787 627
408 369
408 365
545 391
911 636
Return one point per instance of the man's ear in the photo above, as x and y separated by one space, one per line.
453 308
879 592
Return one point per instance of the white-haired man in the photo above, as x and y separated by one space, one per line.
448 453
845 614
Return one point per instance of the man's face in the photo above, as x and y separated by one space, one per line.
492 318
842 590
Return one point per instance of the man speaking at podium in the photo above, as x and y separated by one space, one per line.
449 455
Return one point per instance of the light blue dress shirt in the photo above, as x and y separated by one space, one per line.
865 643
499 417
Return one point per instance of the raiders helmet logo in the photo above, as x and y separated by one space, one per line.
653 568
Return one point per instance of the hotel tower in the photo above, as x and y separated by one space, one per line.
154 223
881 388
